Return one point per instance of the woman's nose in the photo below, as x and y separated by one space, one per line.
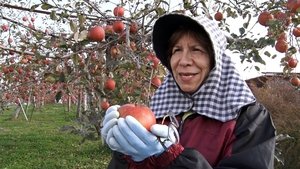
185 58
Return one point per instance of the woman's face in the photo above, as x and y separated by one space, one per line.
190 63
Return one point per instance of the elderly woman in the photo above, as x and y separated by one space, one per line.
214 121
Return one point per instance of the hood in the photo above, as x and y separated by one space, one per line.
222 94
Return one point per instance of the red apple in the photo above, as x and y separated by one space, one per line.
4 27
296 31
293 5
155 62
292 62
140 112
110 84
119 11
133 27
118 26
264 17
295 81
104 104
218 16
96 33
20 70
25 18
115 51
5 70
24 60
11 68
155 81
281 46
109 29
31 26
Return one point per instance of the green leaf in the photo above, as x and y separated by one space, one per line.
38 35
50 78
64 14
73 26
267 53
257 68
274 56
257 58
46 6
82 19
83 35
242 31
160 11
33 7
76 34
245 25
53 15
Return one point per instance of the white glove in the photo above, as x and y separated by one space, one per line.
131 138
110 119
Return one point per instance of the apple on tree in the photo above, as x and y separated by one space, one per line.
96 33
281 46
118 11
296 31
110 84
264 17
104 104
109 29
292 62
293 5
118 26
218 16
115 51
295 81
133 27
4 27
25 18
155 81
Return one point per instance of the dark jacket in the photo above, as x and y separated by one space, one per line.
247 142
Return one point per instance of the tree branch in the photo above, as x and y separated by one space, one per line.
41 11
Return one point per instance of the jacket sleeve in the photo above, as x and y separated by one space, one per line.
252 147
254 144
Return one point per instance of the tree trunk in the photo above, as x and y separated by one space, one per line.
79 105
42 102
69 102
85 101
16 114
34 101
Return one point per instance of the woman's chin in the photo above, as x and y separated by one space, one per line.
188 89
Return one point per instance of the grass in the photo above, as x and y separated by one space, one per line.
39 143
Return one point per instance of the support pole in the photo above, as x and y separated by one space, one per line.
22 109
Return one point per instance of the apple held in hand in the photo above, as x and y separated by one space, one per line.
140 112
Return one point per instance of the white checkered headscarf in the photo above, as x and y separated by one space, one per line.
222 94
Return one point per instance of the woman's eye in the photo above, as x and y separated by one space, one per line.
199 50
175 50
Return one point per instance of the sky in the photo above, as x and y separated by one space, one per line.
272 65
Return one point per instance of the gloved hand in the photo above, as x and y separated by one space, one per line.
110 119
131 138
